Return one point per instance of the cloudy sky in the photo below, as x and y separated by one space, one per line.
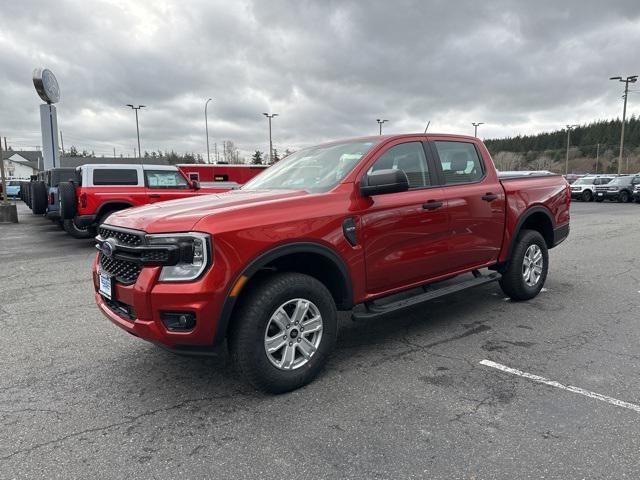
328 68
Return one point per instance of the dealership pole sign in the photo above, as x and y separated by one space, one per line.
48 89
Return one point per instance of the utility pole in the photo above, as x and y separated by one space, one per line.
206 127
114 152
475 127
626 81
61 143
380 122
270 139
137 126
597 156
5 196
566 163
5 145
215 152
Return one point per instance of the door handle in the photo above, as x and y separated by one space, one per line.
489 197
431 205
154 195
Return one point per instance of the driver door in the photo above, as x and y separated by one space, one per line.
405 233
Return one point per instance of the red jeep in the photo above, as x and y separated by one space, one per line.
372 225
101 189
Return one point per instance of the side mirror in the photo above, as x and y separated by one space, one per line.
384 181
195 184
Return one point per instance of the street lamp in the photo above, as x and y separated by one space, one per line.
566 162
206 127
380 122
270 116
626 81
137 127
475 127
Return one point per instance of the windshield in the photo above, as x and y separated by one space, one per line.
620 181
316 169
584 181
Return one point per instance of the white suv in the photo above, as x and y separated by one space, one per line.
585 188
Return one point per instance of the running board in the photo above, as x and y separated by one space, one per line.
373 311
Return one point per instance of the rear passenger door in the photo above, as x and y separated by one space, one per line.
475 203
165 185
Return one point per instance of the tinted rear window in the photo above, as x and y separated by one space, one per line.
119 176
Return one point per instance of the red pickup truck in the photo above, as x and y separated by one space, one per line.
370 225
101 189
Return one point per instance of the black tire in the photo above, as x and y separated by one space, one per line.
67 199
513 282
76 232
599 199
587 196
38 198
624 197
251 320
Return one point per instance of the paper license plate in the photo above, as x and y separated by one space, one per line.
106 289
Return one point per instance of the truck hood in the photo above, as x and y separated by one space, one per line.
182 215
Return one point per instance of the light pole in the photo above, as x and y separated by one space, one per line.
475 127
626 81
137 127
269 117
206 127
566 162
380 122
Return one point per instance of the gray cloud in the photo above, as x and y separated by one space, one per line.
328 68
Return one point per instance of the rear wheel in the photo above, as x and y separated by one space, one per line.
283 332
527 271
587 196
38 198
77 232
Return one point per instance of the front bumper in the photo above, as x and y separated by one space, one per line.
608 195
145 300
576 195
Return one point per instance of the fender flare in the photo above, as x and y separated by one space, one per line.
104 206
269 256
523 218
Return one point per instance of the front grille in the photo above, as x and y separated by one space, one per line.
121 309
122 270
124 238
601 189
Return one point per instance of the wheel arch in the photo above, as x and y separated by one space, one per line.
320 262
535 218
112 206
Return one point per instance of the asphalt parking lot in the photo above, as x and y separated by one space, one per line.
404 397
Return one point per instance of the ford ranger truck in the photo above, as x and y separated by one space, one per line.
369 225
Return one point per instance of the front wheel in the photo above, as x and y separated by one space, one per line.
624 197
283 332
587 196
527 271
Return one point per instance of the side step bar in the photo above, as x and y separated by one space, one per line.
373 310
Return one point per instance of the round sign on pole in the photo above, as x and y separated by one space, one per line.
46 85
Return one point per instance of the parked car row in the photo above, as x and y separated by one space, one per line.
623 188
80 199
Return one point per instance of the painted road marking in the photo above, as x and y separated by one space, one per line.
570 388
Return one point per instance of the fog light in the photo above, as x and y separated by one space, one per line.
178 321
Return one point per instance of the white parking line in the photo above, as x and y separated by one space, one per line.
570 388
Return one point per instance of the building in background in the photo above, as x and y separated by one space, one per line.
21 164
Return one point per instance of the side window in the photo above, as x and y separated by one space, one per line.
460 162
408 157
194 176
115 176
165 179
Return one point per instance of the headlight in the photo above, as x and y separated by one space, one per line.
195 251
